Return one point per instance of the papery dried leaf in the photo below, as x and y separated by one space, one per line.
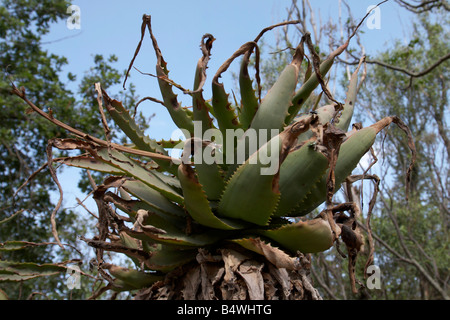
251 272
276 256
283 278
210 275
191 284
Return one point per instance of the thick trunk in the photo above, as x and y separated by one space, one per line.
229 274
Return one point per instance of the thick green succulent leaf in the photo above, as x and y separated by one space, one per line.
134 278
209 173
123 119
171 144
16 245
298 173
251 194
168 179
197 204
306 89
199 107
313 81
305 236
151 197
179 115
141 141
131 207
176 235
166 258
135 170
225 114
345 118
121 286
350 153
258 178
273 110
249 100
130 242
210 177
200 111
90 163
3 295
21 271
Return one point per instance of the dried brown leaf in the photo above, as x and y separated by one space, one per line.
283 278
250 271
191 284
210 275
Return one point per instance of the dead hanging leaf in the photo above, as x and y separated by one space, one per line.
332 140
205 46
353 243
145 19
276 256
210 275
71 144
246 47
191 284
283 278
231 287
269 287
309 287
82 135
232 260
110 182
141 216
250 271
376 181
350 235
106 128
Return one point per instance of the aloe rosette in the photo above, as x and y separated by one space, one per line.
174 208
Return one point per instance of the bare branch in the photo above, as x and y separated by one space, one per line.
423 5
410 73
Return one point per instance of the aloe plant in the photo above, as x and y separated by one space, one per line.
235 227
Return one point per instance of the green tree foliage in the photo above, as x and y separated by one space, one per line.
416 232
24 137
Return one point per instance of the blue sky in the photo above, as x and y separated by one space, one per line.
113 27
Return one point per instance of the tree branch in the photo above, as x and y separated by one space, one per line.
410 73
424 5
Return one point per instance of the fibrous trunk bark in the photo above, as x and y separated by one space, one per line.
230 274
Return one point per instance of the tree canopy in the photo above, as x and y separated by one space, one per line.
24 137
